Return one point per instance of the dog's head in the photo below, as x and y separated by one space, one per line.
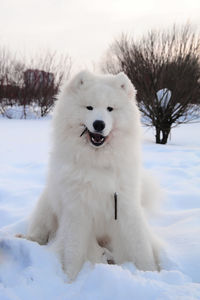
100 107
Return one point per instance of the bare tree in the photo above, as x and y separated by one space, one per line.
5 62
11 79
31 83
164 67
42 80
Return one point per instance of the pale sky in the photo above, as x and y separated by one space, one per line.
85 29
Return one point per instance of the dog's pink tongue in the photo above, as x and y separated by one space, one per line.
98 137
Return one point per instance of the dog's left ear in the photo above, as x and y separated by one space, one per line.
124 83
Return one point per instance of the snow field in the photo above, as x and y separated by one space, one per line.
31 271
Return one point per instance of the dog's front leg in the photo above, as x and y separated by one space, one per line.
72 241
139 243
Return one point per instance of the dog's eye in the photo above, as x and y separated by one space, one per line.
89 107
109 108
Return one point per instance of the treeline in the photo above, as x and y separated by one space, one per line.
163 65
30 85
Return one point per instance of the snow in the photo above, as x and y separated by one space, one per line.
164 96
18 112
31 271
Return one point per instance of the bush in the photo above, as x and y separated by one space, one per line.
164 67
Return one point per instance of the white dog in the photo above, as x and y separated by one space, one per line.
91 206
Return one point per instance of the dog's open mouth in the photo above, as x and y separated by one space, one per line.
96 138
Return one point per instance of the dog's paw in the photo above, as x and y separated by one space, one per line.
108 257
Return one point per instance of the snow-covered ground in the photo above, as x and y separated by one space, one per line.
30 271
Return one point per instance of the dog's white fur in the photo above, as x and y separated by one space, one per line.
76 209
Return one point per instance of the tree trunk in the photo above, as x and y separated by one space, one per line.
165 134
158 135
24 111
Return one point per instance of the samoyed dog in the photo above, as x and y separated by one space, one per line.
91 208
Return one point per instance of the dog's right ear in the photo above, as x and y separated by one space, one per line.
81 81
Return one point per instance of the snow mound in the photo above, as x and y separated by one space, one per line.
164 96
30 271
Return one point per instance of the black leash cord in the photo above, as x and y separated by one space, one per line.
83 131
115 199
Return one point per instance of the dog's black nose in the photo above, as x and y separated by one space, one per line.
99 125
